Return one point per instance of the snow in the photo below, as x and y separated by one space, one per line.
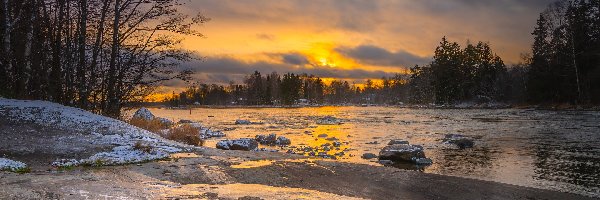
11 165
107 131
124 155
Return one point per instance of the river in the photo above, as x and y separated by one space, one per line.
555 150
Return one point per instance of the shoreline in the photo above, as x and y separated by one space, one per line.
556 107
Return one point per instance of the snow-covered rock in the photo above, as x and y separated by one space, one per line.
270 139
11 165
206 133
143 113
245 144
65 163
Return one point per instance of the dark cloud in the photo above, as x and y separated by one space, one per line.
373 55
294 59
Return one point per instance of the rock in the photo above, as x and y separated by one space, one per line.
322 135
423 161
283 141
245 144
329 120
143 113
385 162
393 142
185 121
206 133
374 142
242 122
368 156
65 163
402 153
337 144
270 139
165 122
460 141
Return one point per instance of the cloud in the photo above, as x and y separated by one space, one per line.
225 69
373 55
294 59
264 36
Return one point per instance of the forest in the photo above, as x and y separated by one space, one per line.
101 55
97 55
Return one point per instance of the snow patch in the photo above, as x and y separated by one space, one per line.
125 155
11 165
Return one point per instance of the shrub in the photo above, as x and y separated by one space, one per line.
186 134
142 147
154 125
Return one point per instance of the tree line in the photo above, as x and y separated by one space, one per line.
290 88
93 54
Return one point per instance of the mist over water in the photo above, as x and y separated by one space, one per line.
556 150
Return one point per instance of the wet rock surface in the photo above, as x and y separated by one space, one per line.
402 153
245 144
461 141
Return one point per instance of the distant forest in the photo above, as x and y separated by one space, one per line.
101 55
564 67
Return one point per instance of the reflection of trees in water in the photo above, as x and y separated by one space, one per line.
477 161
568 161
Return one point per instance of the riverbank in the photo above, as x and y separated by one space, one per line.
548 106
38 133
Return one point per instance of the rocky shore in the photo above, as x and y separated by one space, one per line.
53 140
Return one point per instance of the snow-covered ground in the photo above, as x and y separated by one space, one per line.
102 130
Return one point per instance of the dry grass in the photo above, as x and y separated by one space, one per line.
154 125
142 147
186 134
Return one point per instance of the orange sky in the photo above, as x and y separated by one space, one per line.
346 39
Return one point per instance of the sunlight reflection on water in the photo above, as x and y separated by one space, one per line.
558 150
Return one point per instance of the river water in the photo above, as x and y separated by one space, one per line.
556 150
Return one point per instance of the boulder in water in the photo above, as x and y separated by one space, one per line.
283 141
242 122
270 139
143 113
393 142
402 153
244 144
329 120
368 156
460 141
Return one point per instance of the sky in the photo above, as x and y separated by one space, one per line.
352 40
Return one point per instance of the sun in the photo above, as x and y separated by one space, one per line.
326 62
